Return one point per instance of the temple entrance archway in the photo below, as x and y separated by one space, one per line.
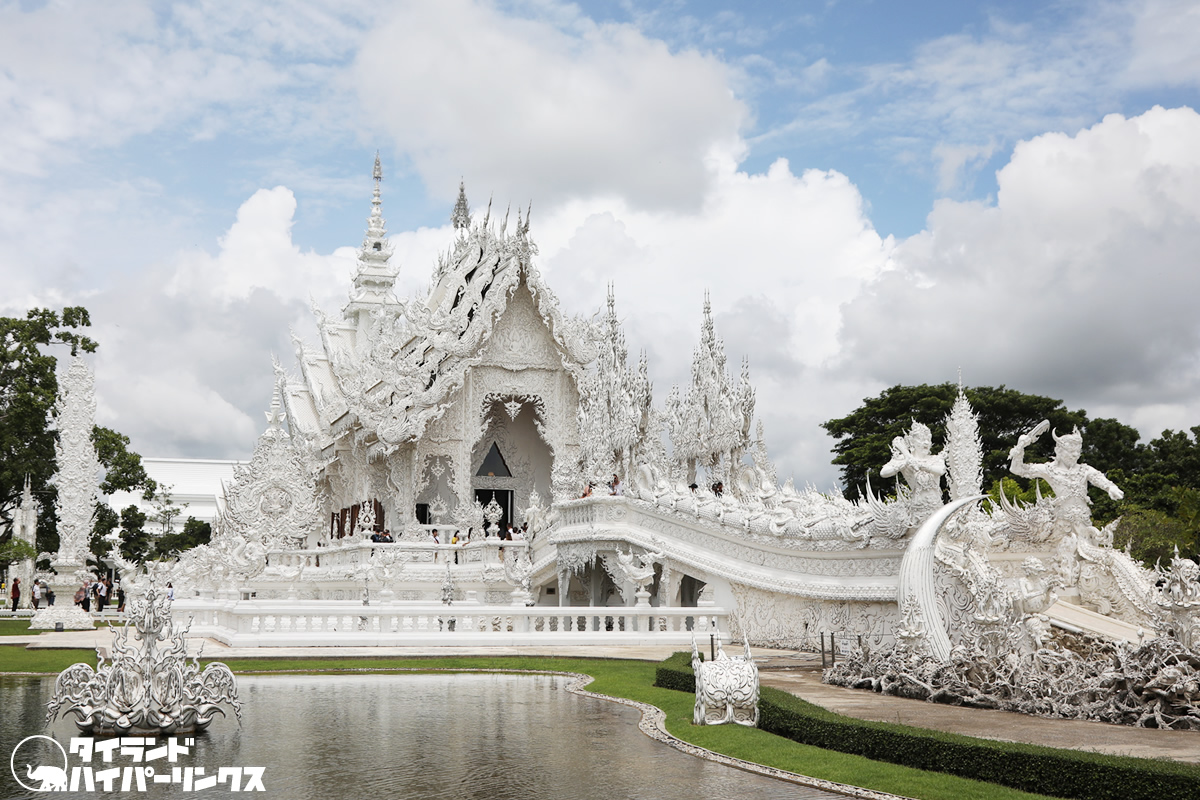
512 458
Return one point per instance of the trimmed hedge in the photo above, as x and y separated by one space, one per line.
1030 768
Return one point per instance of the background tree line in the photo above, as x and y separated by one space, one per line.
28 391
1161 478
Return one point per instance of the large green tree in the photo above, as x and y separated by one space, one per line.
28 390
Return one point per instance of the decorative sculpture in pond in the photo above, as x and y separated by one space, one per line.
726 688
146 691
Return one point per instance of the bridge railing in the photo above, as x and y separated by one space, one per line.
303 623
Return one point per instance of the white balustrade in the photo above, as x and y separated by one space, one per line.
258 623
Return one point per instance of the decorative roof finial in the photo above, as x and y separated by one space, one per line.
375 246
276 415
460 218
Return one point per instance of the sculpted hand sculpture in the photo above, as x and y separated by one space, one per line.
1067 477
922 469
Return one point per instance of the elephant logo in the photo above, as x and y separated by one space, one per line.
44 777
54 779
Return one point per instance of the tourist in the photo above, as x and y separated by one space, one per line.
614 487
120 597
35 595
718 488
170 591
16 593
47 593
101 596
376 537
436 541
82 597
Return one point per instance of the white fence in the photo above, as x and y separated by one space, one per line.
348 624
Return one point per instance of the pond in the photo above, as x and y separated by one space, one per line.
412 736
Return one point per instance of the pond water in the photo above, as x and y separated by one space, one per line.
414 736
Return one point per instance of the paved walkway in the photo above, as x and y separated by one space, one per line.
798 673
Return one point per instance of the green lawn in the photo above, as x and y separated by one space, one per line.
14 627
629 679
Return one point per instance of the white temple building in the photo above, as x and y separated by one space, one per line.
481 405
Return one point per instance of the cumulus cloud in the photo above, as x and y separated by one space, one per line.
1079 282
551 108
184 366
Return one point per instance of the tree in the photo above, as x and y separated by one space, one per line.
136 542
865 435
194 533
28 391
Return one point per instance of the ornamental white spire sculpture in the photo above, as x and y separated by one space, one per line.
77 481
711 424
375 277
964 449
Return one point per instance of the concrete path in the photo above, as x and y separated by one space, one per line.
798 673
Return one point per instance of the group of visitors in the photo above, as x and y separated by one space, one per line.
615 489
40 594
98 594
382 537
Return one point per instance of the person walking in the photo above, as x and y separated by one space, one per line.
35 595
16 593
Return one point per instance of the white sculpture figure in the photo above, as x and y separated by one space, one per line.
639 571
726 686
1068 478
923 470
146 692
1036 588
518 570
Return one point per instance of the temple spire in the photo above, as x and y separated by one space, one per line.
374 278
460 218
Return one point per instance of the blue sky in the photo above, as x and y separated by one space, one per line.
874 192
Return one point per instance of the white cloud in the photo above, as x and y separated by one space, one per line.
1078 283
1164 50
546 109
90 75
258 253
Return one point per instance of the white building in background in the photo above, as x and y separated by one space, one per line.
196 485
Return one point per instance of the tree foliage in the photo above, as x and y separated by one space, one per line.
28 391
194 533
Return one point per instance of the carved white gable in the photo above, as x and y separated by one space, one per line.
521 339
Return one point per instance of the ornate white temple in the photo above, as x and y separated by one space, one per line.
398 453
